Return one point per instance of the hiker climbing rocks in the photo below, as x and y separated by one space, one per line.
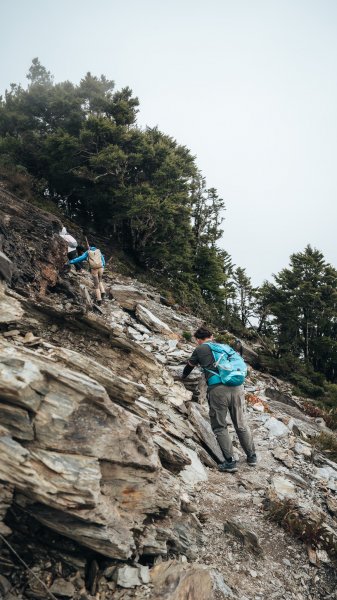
96 262
225 371
72 246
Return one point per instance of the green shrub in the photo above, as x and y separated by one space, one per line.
317 378
305 387
330 396
327 443
187 336
224 338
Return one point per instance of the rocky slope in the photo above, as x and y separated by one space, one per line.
108 463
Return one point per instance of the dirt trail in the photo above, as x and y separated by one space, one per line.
282 569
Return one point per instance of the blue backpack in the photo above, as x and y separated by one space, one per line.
230 367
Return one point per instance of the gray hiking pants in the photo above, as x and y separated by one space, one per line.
224 398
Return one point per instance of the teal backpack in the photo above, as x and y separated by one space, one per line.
230 367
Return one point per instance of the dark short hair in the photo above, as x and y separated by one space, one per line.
202 333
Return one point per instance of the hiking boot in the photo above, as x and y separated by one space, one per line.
252 460
229 466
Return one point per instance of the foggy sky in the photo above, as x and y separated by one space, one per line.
249 86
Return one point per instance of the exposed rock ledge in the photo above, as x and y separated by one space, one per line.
87 467
102 444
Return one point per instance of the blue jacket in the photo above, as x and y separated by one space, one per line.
84 256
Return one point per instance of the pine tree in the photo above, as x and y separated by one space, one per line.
81 145
302 306
245 295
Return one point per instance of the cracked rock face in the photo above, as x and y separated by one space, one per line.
95 452
86 466
31 242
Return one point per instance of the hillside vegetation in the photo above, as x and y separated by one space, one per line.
77 151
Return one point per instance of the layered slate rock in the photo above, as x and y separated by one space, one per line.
11 310
87 467
204 431
127 296
6 267
31 242
150 320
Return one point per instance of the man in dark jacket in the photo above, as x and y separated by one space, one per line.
222 398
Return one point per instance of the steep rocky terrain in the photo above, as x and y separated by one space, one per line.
109 487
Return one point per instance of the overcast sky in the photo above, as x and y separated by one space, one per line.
249 86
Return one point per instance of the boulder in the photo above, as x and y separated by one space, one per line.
276 428
127 296
127 576
177 581
151 321
282 488
120 389
172 456
275 393
195 472
130 576
204 432
304 429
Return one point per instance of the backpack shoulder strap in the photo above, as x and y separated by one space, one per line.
210 344
217 349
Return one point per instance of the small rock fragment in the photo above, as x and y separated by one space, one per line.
127 576
11 333
64 588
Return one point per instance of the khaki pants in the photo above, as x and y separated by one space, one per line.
97 275
224 398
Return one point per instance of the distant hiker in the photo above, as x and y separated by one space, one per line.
223 397
72 246
96 262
